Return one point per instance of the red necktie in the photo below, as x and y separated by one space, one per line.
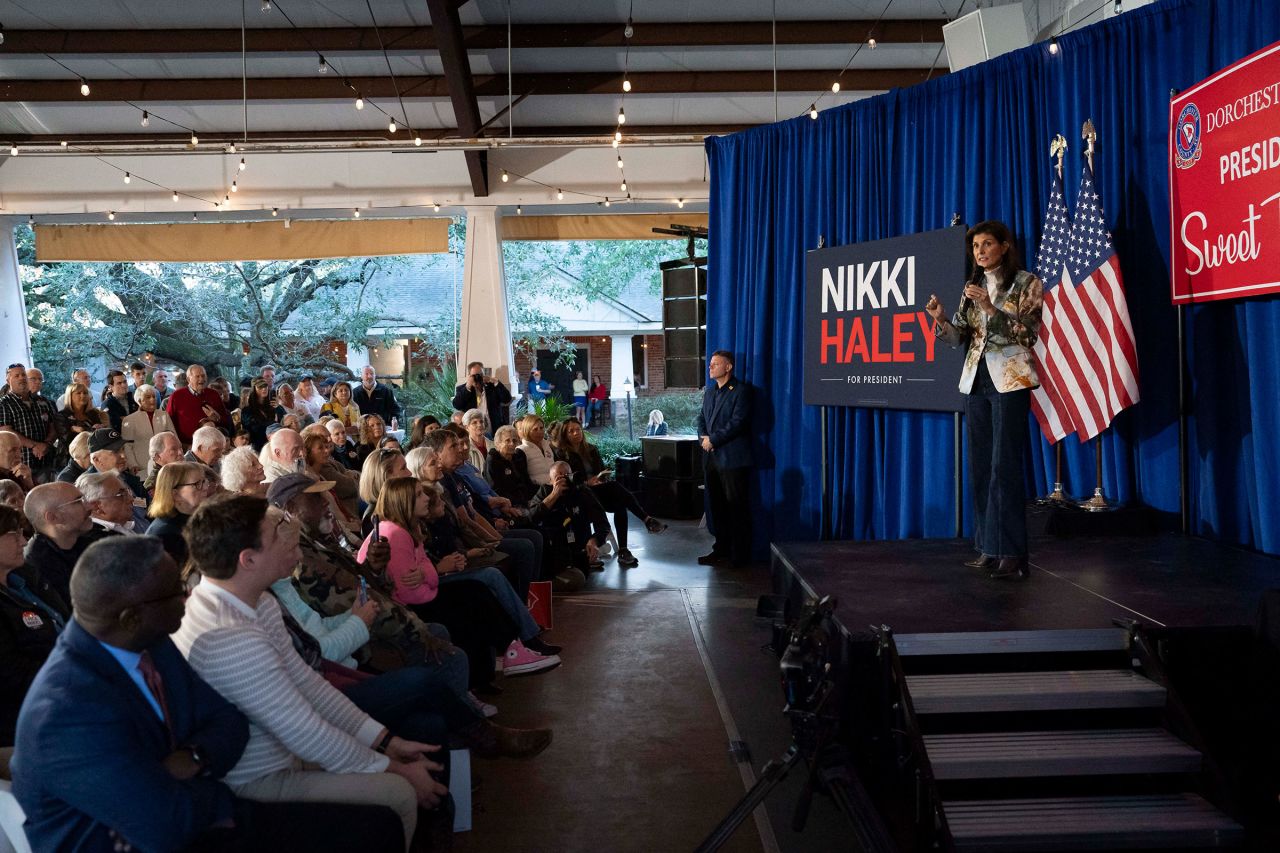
155 684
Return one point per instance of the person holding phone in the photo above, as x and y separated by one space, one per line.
483 392
997 322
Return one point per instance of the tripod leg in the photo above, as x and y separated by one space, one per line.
772 774
855 804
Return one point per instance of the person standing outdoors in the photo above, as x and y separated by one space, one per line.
484 393
724 426
998 322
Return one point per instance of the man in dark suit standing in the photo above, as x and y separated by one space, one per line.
488 395
121 745
724 426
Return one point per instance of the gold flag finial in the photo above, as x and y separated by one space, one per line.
1057 149
1089 134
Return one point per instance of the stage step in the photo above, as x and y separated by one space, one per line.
1011 642
983 692
1090 823
1101 752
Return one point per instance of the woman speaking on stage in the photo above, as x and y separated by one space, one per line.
997 321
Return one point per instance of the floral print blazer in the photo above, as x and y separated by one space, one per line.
1005 339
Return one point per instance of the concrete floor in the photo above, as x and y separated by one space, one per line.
640 760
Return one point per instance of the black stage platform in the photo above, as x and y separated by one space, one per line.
921 586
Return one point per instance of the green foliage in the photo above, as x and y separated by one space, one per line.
613 442
550 409
431 395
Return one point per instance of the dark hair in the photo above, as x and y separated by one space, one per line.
438 439
457 429
10 519
110 572
1012 261
249 401
420 430
137 365
725 354
474 364
219 529
106 389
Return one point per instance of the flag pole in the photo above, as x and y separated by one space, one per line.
1057 150
1098 502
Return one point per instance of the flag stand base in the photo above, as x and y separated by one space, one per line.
1097 503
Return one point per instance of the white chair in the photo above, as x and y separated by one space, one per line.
12 838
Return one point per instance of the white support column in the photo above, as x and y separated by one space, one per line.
15 338
486 327
623 367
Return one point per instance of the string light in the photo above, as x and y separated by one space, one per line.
13 151
324 66
417 141
84 87
505 177
619 161
679 202
622 116
63 143
195 140
175 196
359 102
127 177
606 201
813 111
560 195
195 217
436 206
626 85
146 119
519 210
391 126
356 213
235 187
231 148
111 214
275 211
243 164
266 6
31 220
1053 46
617 136
629 30
616 143
835 87
623 186
871 43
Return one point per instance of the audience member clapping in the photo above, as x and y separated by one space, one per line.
242 473
138 428
180 488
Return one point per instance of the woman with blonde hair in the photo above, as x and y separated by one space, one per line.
80 413
372 430
537 451
137 429
476 621
180 488
342 408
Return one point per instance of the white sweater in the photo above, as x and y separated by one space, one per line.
246 655
540 460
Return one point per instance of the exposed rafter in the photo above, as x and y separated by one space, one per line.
462 90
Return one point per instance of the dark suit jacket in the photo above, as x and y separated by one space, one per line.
27 636
90 747
726 420
497 402
381 402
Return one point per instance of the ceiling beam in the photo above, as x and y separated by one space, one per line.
417 39
330 87
461 87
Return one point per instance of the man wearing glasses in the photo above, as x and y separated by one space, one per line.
20 414
64 529
110 502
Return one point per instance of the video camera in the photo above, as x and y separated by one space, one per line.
806 647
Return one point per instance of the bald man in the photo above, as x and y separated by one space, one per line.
11 465
116 701
64 529
283 454
187 407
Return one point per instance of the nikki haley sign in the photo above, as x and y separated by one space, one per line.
1224 183
868 341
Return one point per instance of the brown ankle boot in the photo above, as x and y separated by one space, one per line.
489 740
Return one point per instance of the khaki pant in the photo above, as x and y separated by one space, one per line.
317 786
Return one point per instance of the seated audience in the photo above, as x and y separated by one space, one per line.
477 425
208 446
31 616
188 406
421 426
12 495
571 519
257 413
116 400
106 453
242 473
11 465
138 428
318 452
537 451
379 466
476 621
584 459
79 413
122 747
110 502
308 400
657 426
163 448
283 454
372 430
287 404
180 488
507 469
234 636
344 446
343 408
63 529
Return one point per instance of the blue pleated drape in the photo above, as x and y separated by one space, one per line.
976 143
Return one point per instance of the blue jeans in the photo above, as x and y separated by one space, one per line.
512 604
997 442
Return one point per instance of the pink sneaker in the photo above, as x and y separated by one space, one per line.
522 661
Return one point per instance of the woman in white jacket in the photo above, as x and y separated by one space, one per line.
137 429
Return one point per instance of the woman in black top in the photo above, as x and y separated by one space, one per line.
508 470
257 413
180 488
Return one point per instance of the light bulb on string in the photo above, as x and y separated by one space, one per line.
505 177
324 66
626 85
266 6
1053 46
84 87
560 195
359 102
127 177
813 111
31 220
195 140
391 126
146 119
231 148
243 164
871 43
835 87
417 141
175 196
356 213
616 143
679 202
63 143
435 206
275 211
519 210
619 161
235 187
629 30
195 217
623 186
617 136
622 116
111 214
606 201
13 151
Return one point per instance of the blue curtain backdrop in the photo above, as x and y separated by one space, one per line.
976 143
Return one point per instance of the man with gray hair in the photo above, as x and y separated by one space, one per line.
63 528
110 502
195 403
79 376
160 381
208 446
283 454
163 448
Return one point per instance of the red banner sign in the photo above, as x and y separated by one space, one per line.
1224 183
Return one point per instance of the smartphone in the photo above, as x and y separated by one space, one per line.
364 590
377 534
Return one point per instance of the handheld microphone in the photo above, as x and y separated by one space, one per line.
976 278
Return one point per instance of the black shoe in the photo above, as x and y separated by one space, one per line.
535 644
489 689
1011 568
627 560
712 559
982 562
653 525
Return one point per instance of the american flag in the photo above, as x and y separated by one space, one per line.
1088 362
1046 401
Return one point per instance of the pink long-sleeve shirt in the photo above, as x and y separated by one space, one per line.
406 555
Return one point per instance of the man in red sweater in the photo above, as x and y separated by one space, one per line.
187 407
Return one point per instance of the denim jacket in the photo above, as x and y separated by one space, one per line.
1005 339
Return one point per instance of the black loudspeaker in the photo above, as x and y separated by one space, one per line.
684 325
626 470
666 498
676 457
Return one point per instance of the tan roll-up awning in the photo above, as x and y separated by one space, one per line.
635 226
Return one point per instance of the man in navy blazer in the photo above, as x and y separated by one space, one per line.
121 745
724 425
